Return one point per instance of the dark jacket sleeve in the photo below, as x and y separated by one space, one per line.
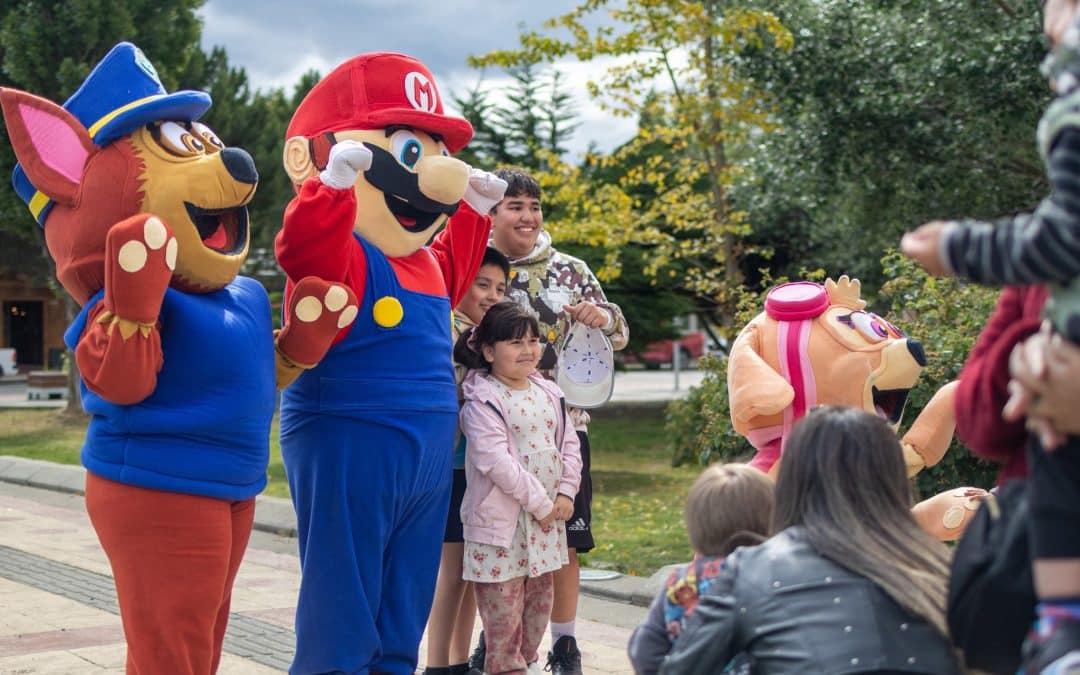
982 392
707 644
649 643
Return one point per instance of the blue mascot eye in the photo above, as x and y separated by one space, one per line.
406 147
410 153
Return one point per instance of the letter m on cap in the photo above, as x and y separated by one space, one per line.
421 92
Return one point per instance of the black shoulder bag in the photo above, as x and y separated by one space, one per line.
991 603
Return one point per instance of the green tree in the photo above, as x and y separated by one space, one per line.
536 121
890 114
684 54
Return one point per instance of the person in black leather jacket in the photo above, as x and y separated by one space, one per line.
848 584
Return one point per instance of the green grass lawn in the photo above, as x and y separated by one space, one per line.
637 496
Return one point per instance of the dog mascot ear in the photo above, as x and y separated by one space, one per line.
50 144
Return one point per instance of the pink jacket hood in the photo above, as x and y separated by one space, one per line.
498 486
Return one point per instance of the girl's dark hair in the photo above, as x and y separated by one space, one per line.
504 321
843 480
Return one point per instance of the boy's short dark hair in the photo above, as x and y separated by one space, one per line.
492 256
518 183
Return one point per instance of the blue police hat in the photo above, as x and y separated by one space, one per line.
121 94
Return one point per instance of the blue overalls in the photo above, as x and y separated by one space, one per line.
365 438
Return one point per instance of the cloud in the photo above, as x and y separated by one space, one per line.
276 42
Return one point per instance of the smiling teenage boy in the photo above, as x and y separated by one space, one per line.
560 289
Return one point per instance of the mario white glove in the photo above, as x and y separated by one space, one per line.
485 190
348 159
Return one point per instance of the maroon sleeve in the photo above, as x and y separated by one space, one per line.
459 249
983 381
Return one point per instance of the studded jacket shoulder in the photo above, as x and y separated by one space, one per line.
793 611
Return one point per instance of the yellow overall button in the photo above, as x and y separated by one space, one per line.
387 311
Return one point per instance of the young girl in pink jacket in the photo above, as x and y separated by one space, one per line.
522 468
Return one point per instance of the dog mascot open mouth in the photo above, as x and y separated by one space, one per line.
221 230
890 403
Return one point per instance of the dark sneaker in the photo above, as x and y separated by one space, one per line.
476 660
564 657
1055 654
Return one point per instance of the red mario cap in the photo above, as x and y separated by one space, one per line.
372 91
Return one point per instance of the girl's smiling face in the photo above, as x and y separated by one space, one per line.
512 361
489 288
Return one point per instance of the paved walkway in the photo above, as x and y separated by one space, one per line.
59 607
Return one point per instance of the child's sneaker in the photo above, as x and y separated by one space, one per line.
476 660
1055 654
564 657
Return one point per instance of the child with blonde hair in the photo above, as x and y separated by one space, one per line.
729 505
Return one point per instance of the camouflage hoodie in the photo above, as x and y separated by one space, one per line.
545 280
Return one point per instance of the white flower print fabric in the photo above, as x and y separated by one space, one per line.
534 550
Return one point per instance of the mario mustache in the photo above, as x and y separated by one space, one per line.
413 209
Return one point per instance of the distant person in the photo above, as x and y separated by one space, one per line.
728 506
523 468
559 289
453 612
848 584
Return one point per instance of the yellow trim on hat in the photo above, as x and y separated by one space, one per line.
96 126
38 202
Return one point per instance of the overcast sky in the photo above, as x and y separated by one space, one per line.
276 42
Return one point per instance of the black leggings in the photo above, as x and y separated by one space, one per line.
1054 497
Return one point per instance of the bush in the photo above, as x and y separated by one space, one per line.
945 314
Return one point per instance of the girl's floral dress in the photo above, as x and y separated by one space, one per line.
533 551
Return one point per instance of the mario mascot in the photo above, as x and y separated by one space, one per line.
367 435
145 214
817 345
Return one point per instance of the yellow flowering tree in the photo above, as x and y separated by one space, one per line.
670 64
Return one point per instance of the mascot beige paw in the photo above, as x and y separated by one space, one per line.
945 516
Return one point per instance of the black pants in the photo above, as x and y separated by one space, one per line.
579 527
1054 497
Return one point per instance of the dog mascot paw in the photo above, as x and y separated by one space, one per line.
817 345
366 436
144 211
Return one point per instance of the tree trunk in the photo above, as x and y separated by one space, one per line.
74 402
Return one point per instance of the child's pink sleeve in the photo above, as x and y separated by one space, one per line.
490 453
571 458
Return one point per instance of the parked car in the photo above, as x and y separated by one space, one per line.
7 361
692 347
